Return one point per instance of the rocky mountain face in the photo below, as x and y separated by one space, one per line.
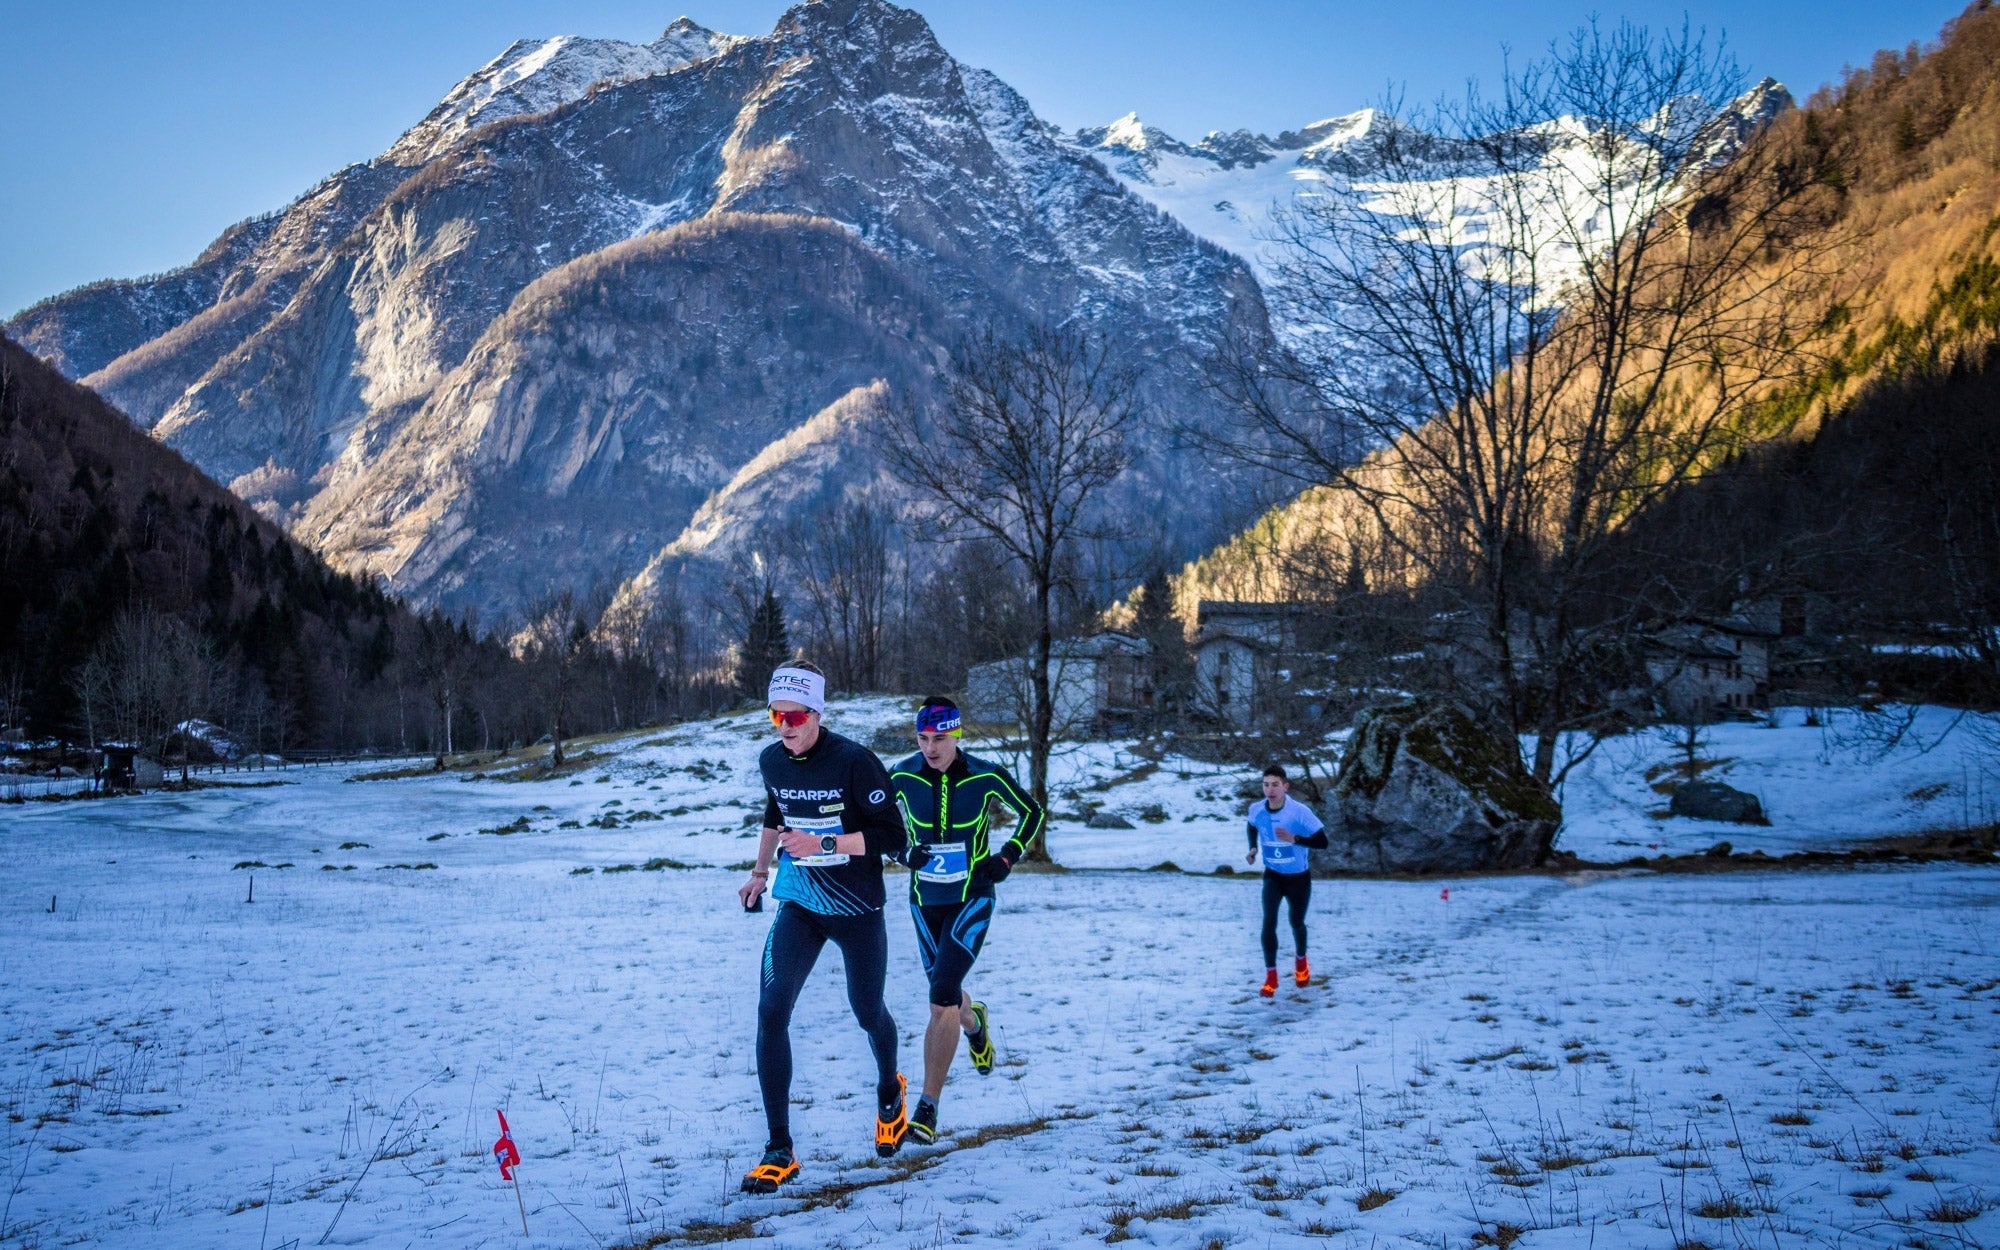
538 340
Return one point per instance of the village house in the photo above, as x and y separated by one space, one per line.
1239 654
1711 668
1100 684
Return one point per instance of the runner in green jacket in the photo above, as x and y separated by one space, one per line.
946 796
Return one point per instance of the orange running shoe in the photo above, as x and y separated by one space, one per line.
1270 987
1301 971
779 1165
889 1132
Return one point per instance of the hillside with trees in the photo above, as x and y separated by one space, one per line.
1824 435
136 594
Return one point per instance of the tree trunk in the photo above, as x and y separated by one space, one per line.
1041 712
1545 750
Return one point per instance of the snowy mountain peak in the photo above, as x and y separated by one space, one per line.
536 75
1137 147
882 21
1759 106
1236 147
874 51
1131 137
1334 133
1128 132
686 41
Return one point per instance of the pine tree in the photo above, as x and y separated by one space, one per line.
765 645
1156 603
1171 665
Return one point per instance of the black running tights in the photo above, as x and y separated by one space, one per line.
1296 888
790 950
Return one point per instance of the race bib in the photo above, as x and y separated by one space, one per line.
1278 856
818 826
1282 856
949 861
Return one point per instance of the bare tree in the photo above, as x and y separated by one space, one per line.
653 631
1535 318
555 643
92 684
444 656
1023 436
842 566
149 678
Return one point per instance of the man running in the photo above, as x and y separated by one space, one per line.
1282 828
945 795
828 818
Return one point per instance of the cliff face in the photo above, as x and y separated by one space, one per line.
533 339
590 422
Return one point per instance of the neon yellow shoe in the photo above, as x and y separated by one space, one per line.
979 1043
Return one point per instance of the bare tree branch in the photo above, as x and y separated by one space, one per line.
1025 434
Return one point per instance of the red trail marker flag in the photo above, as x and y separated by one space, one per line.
508 1155
505 1151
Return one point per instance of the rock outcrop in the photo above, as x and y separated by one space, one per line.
1425 787
1711 800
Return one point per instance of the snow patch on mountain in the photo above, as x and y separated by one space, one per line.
1230 187
1234 189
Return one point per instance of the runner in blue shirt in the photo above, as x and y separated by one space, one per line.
1281 829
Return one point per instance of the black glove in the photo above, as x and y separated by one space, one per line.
915 856
994 870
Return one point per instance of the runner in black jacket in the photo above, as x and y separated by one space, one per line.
946 796
828 818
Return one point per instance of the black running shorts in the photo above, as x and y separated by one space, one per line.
949 936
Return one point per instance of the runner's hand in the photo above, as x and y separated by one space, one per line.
1287 836
798 845
1251 858
994 870
750 890
916 855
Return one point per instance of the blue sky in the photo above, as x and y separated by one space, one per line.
137 131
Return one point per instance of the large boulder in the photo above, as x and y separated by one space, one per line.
1426 787
1711 800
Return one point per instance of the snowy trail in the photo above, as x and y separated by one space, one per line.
1607 1059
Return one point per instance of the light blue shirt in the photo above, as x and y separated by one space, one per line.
1295 818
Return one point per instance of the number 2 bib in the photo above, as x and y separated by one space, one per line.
949 862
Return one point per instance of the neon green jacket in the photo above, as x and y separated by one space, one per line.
947 814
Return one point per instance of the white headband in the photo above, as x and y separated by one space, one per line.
797 685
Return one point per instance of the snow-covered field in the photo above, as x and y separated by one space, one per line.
1614 1059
